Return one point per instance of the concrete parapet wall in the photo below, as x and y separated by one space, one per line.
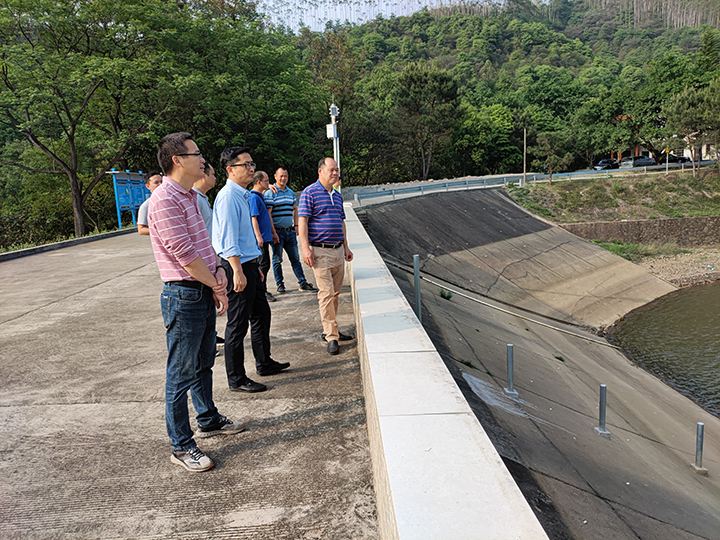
437 475
686 232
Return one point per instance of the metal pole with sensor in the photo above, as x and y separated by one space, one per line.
332 133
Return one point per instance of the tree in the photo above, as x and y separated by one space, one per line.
425 99
81 81
694 116
554 151
485 135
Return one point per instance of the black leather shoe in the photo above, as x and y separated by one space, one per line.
248 385
333 347
343 337
272 368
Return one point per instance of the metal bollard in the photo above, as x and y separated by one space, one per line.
416 272
699 450
600 430
510 390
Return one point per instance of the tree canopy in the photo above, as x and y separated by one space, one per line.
86 86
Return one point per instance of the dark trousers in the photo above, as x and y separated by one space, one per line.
265 263
246 308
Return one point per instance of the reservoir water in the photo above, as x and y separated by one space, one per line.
677 338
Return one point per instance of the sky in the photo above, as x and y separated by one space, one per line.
315 13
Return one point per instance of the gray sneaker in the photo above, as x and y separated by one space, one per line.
223 426
192 459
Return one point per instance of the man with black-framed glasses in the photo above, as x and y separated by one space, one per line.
235 243
194 288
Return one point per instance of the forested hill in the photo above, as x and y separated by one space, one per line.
87 86
442 96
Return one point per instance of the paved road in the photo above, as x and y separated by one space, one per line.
82 431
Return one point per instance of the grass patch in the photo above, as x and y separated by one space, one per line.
466 363
447 295
633 196
16 247
637 252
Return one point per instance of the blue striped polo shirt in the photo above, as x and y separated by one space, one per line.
325 214
281 204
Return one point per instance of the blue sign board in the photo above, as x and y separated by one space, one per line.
130 192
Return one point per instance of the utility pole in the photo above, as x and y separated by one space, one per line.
332 133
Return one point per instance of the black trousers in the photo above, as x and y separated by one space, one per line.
265 263
246 308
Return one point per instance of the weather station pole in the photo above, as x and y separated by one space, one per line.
332 133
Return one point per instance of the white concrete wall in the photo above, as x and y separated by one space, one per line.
437 475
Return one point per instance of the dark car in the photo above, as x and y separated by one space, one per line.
604 164
637 161
672 158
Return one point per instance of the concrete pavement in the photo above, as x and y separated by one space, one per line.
84 448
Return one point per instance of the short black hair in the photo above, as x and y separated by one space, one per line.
230 154
169 146
207 168
322 163
148 175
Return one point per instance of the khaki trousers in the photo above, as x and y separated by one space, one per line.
329 269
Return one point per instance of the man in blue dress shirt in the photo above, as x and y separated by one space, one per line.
235 243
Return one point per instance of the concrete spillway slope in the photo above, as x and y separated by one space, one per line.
639 483
481 241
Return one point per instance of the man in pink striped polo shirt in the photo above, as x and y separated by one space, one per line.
195 286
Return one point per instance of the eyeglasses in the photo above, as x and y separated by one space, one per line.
248 165
198 154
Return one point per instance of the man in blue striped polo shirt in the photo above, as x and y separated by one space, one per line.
321 229
283 209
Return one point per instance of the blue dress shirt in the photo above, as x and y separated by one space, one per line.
232 230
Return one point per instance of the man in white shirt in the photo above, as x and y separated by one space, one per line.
202 186
152 180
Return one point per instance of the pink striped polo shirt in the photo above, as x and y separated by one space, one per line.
177 231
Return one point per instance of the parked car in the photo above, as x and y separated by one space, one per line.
637 161
672 158
604 164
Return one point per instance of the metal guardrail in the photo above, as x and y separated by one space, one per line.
482 183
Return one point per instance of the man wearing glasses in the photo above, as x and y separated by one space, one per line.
234 240
193 282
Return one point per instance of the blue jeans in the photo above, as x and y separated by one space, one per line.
189 318
287 240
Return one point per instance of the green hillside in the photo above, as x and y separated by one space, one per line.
444 96
87 86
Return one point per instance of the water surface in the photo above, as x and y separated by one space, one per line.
677 338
